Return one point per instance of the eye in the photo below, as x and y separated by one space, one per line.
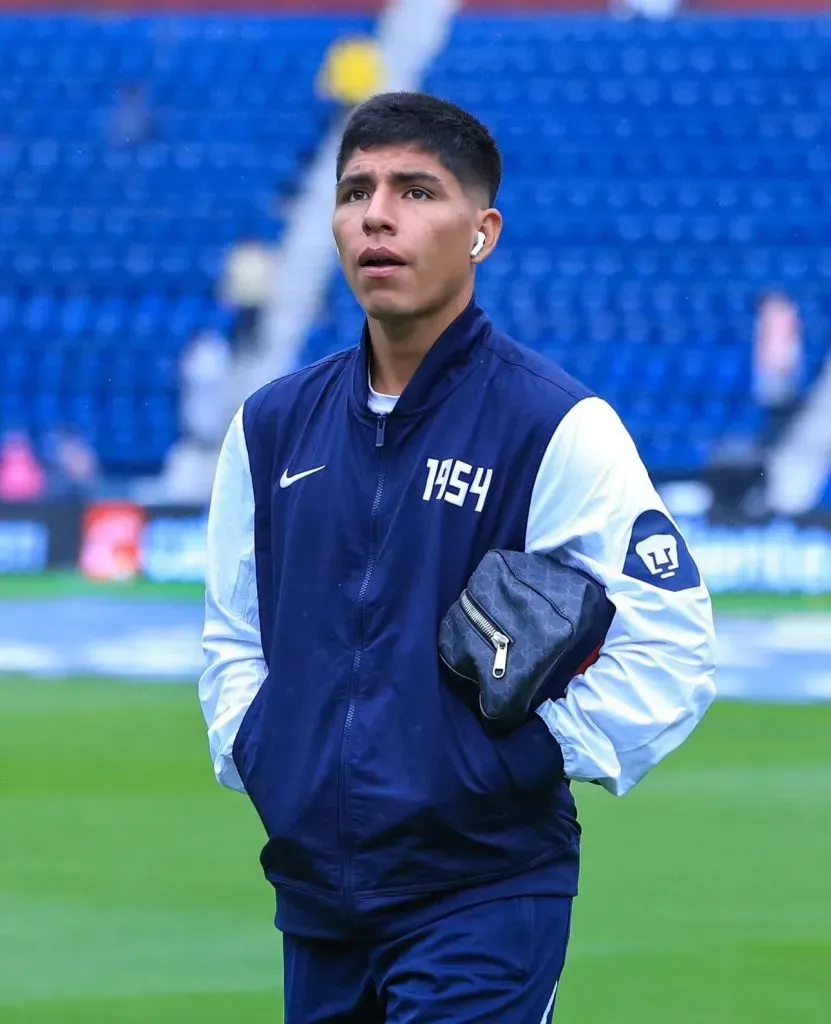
419 194
355 195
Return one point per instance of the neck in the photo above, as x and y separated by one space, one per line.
398 346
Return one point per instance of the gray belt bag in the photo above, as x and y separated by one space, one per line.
520 631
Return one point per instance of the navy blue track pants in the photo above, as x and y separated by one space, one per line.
493 963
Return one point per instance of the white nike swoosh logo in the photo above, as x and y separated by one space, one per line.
287 481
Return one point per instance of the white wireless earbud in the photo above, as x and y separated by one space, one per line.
480 243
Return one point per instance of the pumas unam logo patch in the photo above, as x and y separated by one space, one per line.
658 554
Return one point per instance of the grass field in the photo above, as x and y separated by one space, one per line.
49 586
130 890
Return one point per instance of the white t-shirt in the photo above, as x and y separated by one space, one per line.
380 404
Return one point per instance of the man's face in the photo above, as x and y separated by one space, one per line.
404 227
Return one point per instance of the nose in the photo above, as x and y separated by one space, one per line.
379 215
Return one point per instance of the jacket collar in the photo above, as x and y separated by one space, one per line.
441 371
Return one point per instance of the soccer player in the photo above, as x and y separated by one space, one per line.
425 871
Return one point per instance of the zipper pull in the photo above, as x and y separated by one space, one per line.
500 661
380 431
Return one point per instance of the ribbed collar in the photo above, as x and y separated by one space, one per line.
441 371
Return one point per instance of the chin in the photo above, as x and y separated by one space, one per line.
387 307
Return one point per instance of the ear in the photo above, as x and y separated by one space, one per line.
490 224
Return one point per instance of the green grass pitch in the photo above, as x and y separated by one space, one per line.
130 891
67 585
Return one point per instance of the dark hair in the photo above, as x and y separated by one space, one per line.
461 142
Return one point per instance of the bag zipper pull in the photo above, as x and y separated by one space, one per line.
495 637
500 661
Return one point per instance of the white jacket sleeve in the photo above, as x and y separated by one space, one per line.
235 666
594 505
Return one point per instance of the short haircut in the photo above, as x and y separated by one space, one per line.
462 143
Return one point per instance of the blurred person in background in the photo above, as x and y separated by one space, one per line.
204 373
739 467
22 477
799 463
71 464
778 357
245 287
206 396
425 870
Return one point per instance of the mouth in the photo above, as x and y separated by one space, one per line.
377 263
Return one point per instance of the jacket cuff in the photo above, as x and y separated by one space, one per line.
531 755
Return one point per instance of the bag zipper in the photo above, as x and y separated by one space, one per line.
490 631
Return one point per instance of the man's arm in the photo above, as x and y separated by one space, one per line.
231 640
594 505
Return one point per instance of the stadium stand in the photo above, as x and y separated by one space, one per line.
109 254
659 176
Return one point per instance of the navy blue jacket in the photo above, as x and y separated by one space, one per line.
338 539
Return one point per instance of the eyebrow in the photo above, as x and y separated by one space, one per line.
361 180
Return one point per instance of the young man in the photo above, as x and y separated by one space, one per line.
424 871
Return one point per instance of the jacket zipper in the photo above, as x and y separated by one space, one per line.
380 434
499 640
